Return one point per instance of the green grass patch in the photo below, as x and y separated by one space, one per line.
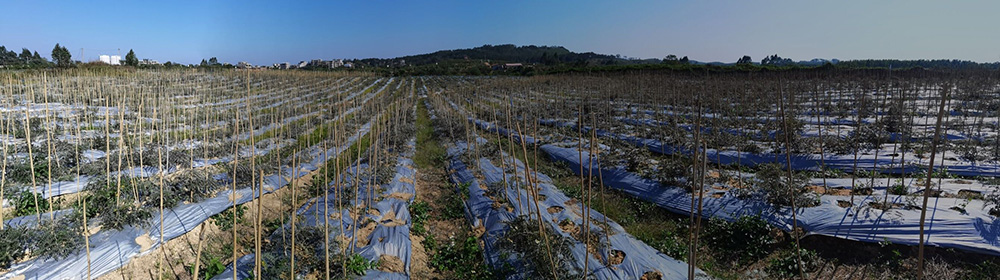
430 152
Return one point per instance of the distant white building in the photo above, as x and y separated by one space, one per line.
147 61
111 59
244 65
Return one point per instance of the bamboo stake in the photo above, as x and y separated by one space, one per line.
197 258
927 183
338 192
693 236
590 195
788 162
48 143
159 157
533 193
326 212
3 175
295 175
31 157
86 226
236 161
822 141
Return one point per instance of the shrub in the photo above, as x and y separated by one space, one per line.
211 266
671 245
898 189
12 245
636 160
772 185
241 172
463 257
193 185
985 270
744 240
309 256
787 265
454 205
24 204
670 168
357 265
225 220
419 211
20 171
123 210
57 239
523 239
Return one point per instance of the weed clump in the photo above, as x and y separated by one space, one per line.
116 206
745 240
523 238
787 265
771 185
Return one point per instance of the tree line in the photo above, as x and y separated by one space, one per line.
61 57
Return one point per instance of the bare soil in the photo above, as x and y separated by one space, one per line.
431 187
173 257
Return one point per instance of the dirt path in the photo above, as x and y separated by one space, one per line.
445 223
432 188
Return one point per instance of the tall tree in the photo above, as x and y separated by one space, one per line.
670 59
745 60
25 55
130 59
61 56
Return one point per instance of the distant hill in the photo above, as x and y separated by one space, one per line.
545 55
534 60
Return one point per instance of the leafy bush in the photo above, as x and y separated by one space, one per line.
225 221
210 267
898 189
454 205
670 168
19 171
671 246
419 211
13 245
787 265
744 240
241 172
24 204
57 239
985 270
123 210
636 160
309 256
464 258
357 265
193 185
771 183
523 238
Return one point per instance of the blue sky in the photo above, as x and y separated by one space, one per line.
265 32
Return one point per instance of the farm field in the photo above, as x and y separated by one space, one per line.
268 174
